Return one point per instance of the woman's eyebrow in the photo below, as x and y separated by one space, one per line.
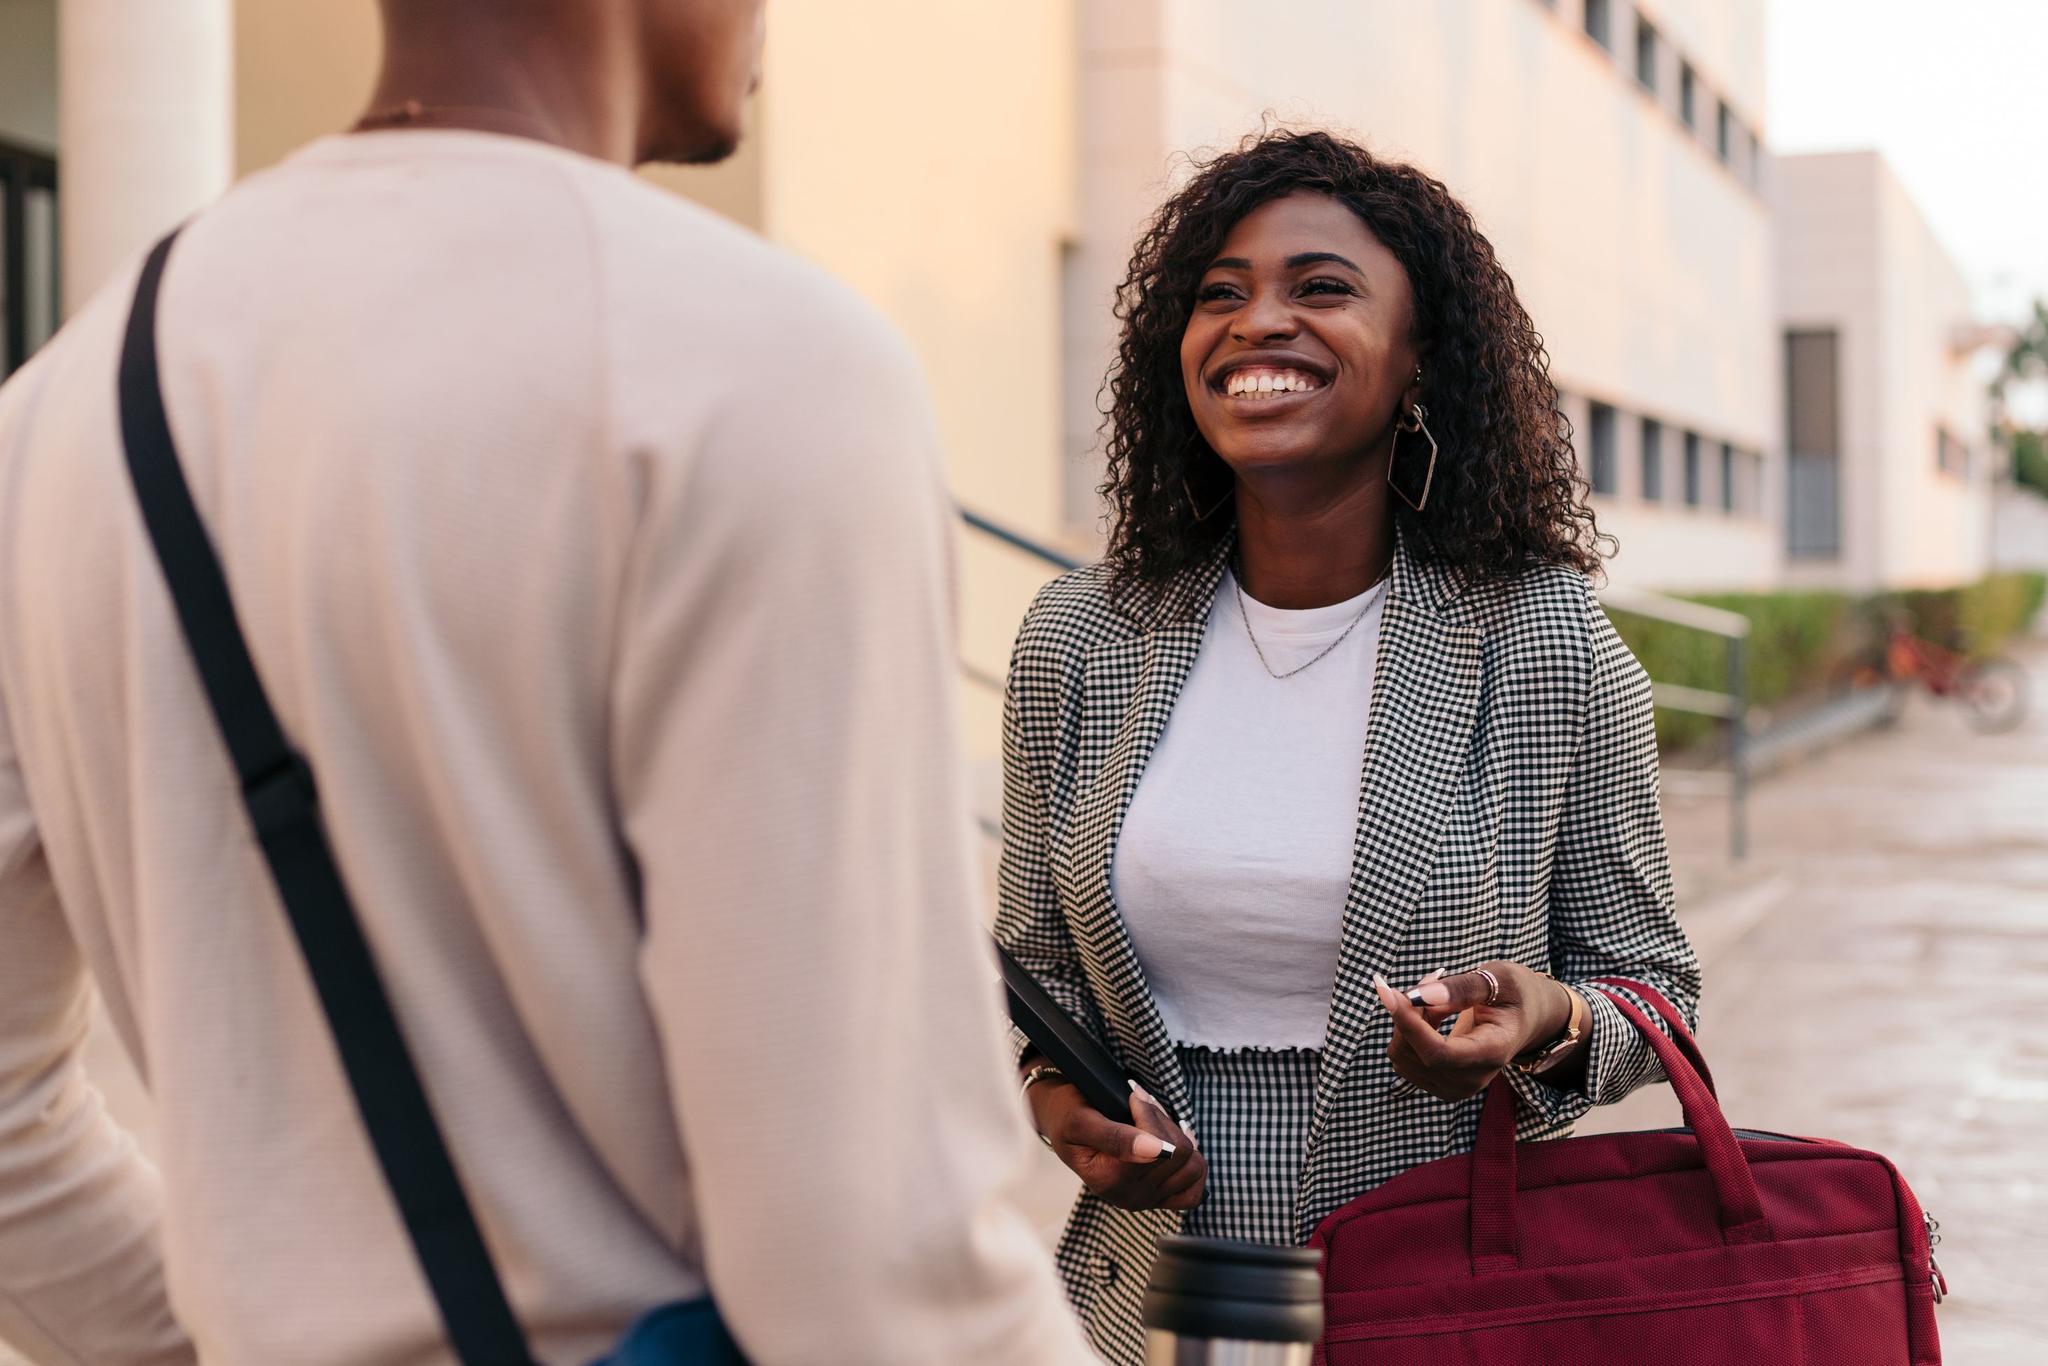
1294 262
1309 258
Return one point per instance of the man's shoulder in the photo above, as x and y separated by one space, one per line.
672 262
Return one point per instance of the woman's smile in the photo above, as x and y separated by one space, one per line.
1259 385
1297 348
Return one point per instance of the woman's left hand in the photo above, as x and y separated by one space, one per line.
1530 1011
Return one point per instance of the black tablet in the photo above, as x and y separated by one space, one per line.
1065 1044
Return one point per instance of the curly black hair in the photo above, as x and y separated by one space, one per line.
1507 494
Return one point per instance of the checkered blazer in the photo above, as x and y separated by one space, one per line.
1508 810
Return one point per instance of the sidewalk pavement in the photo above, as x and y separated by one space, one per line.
1879 975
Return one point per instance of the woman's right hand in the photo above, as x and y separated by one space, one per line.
1152 1166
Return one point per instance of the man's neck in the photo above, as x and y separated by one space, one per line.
572 89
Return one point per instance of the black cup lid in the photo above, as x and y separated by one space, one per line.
1216 1288
1234 1270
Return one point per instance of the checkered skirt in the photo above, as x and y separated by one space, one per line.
1255 1105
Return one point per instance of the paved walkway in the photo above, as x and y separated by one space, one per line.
1881 977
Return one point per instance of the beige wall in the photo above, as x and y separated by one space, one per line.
302 68
1937 524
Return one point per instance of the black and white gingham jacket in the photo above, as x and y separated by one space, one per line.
1509 810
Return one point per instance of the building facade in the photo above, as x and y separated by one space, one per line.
1889 454
1612 153
979 173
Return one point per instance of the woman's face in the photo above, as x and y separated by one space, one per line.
1297 353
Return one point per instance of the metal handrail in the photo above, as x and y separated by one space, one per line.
1037 550
1731 706
1017 540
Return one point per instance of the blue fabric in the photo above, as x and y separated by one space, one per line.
688 1333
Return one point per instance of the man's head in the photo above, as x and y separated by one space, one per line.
700 59
631 80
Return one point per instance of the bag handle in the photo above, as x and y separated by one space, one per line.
1494 1194
1668 1013
284 807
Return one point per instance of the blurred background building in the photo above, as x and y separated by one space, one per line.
1612 154
1889 463
1766 360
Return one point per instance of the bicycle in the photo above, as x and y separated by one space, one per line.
1992 690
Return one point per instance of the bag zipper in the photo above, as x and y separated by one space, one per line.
1934 1263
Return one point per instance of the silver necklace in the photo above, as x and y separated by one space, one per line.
1246 617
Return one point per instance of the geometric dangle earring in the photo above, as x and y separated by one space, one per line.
1228 495
1414 423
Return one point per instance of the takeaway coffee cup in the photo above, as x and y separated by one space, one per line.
1212 1302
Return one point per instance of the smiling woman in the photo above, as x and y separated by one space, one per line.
1399 264
1337 707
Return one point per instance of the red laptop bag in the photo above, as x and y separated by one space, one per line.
1695 1245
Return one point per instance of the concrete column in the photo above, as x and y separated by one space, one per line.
145 112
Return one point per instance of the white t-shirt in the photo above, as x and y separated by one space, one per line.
579 537
1234 861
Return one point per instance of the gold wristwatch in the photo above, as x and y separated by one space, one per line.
1554 1053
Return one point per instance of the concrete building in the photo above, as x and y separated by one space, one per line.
979 172
1610 151
1890 465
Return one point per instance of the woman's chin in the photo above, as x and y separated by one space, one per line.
1269 459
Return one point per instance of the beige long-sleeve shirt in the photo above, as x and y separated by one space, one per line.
595 553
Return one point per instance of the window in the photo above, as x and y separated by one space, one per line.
1688 95
1756 157
1813 444
1600 435
1692 469
28 253
1646 54
1600 23
1950 455
1727 477
1653 460
1724 130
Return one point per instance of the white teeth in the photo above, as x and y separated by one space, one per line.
1243 383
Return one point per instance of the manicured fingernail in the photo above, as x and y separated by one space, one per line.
1430 993
1434 975
1147 1148
1381 989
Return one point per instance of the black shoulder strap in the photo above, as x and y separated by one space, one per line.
277 787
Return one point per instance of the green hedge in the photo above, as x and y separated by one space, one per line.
1805 645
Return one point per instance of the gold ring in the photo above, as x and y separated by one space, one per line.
1492 986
